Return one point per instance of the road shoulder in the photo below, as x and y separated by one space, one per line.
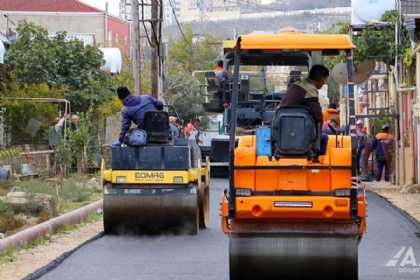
407 198
21 263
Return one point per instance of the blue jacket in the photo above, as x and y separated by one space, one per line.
135 107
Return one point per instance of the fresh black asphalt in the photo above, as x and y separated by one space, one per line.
205 256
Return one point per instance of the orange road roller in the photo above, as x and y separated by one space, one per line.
289 215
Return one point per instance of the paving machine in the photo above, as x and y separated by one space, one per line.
157 187
289 216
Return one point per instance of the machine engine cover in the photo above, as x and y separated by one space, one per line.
151 157
294 131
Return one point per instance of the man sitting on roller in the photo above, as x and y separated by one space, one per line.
305 93
134 109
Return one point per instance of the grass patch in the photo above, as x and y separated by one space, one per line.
11 254
70 194
9 221
92 218
5 187
40 240
65 229
8 255
62 197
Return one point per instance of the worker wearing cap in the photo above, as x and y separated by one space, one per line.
383 152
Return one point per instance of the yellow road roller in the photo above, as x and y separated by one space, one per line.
162 186
289 215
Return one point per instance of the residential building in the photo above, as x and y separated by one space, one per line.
410 7
79 20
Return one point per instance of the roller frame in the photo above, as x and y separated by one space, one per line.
151 210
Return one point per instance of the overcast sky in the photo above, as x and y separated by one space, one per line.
112 5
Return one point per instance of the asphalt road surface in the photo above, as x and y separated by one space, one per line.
390 250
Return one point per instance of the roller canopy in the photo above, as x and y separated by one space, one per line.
296 41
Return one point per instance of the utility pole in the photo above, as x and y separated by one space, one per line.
156 22
135 43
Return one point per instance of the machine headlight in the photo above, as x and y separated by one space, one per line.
342 192
243 192
293 204
121 179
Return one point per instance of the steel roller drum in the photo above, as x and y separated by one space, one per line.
293 257
151 210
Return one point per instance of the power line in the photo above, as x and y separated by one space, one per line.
177 21
143 23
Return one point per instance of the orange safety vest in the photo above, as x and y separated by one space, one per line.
331 113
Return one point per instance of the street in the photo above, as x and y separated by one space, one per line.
389 250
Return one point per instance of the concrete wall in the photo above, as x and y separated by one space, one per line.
71 22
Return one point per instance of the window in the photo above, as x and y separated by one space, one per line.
109 38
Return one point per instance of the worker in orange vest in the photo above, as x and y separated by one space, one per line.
383 152
331 112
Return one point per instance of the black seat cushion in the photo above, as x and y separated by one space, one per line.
156 124
294 131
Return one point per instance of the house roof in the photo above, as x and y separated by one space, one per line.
47 6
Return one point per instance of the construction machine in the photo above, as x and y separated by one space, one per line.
289 215
162 186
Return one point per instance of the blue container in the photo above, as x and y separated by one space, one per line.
264 141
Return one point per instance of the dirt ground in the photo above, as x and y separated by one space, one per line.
404 197
27 261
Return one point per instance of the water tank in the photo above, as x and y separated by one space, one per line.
113 60
365 11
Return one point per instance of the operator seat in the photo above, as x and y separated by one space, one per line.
156 125
294 132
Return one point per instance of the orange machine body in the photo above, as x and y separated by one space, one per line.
294 189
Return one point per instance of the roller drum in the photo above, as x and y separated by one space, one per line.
293 257
151 210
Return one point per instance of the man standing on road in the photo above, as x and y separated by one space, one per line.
134 109
383 152
173 127
192 131
360 138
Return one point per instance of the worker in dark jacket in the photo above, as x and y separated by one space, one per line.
134 109
383 152
305 93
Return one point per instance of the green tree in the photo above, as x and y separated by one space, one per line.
188 54
37 58
27 121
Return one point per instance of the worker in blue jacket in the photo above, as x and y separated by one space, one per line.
383 152
135 106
